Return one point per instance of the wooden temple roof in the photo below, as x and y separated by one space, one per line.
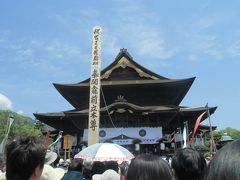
124 67
141 92
127 78
171 117
203 127
132 94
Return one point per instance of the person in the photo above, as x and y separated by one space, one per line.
1 164
148 167
225 164
208 159
188 164
123 167
87 167
51 173
74 170
109 174
24 159
50 158
111 165
98 168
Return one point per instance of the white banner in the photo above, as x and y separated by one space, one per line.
123 136
94 97
184 137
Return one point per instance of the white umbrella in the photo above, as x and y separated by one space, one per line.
104 152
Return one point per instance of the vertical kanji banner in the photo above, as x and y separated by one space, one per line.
94 94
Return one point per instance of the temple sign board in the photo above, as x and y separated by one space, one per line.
94 97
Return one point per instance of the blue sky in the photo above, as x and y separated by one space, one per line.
42 42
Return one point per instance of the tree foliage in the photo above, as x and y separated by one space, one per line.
22 126
234 133
205 149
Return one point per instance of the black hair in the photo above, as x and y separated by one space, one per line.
23 156
98 167
75 165
225 165
188 164
148 167
123 168
111 165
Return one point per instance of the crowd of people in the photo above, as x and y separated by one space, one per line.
26 159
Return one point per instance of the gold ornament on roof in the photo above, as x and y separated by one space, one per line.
123 63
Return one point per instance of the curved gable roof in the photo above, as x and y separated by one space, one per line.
124 67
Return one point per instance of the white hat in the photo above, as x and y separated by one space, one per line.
107 175
50 157
61 161
50 173
3 176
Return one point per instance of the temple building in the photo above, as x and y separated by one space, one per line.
136 103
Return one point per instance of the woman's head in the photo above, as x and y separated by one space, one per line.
148 167
188 164
23 157
226 163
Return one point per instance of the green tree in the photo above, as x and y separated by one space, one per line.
205 149
22 126
234 133
3 122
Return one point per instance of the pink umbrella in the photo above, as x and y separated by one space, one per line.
105 152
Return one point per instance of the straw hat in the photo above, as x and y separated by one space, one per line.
50 173
107 175
50 157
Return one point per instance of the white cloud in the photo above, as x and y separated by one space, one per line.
200 44
145 39
27 52
234 49
209 44
199 37
193 57
89 13
20 112
149 42
153 47
61 50
205 23
141 33
60 18
48 56
110 46
5 103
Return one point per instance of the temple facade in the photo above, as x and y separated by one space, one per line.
135 102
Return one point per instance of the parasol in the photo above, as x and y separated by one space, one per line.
105 152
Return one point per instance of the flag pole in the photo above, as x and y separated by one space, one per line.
7 130
212 150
